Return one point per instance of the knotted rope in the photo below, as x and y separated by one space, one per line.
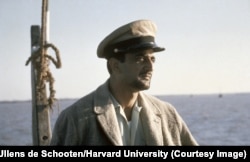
40 61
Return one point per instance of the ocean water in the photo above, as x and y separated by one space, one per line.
213 119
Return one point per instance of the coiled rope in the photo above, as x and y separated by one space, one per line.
40 60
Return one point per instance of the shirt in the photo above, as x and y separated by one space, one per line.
131 131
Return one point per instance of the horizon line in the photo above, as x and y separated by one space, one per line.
157 95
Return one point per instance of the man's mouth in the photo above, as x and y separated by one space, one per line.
146 75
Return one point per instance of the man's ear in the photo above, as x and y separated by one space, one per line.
114 65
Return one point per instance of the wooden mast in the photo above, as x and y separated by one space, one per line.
41 129
40 75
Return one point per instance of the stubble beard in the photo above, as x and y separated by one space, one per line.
141 84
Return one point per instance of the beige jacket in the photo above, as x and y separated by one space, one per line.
92 121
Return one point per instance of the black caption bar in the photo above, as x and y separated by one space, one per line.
127 152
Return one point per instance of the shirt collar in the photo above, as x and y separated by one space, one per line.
117 104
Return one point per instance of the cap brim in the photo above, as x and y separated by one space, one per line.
144 46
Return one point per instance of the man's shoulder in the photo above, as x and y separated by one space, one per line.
164 107
156 100
85 104
82 104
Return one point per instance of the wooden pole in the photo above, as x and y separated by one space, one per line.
41 129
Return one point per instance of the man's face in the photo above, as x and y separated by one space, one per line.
137 70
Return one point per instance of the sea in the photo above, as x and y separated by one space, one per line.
213 119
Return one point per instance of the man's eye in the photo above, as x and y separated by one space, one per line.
153 59
139 59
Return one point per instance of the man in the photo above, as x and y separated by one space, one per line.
118 112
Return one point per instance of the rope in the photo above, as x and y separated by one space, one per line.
40 61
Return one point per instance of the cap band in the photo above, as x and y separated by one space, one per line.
129 44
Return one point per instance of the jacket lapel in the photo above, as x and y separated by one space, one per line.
151 122
107 120
107 115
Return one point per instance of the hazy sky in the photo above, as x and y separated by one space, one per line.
207 44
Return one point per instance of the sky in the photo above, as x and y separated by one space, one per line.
207 44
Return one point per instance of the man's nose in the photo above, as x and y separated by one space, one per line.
150 64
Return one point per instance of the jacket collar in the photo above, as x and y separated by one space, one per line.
150 115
